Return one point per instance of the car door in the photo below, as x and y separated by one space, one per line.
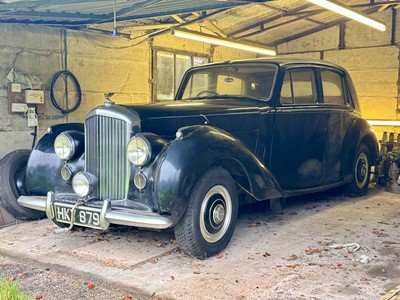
338 109
298 142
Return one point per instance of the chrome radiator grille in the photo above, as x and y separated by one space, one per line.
105 155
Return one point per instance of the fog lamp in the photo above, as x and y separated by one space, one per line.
140 181
66 173
84 183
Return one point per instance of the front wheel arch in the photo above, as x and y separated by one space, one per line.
173 185
12 184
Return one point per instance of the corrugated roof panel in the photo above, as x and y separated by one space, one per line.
262 21
273 21
269 37
40 11
239 18
236 18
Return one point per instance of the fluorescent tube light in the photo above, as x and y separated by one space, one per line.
387 123
350 13
201 37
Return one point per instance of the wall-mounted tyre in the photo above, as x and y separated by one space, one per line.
361 173
209 221
12 177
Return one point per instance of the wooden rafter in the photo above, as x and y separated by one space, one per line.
277 17
300 17
212 26
303 13
315 30
178 19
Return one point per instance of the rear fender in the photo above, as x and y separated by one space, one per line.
193 152
360 132
43 168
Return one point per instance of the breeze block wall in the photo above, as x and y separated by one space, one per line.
102 64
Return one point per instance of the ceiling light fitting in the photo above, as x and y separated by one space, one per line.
388 123
115 30
201 37
349 13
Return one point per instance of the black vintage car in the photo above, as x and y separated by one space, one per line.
268 129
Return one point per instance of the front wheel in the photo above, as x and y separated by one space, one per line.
361 173
12 177
209 221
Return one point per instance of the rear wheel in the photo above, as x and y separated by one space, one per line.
209 221
361 173
12 178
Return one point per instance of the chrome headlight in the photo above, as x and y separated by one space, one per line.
64 146
139 150
84 184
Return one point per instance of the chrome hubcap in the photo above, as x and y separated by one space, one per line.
361 171
219 214
215 214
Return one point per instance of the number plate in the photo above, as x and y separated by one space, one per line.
87 216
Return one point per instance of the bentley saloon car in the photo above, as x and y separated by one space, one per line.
255 129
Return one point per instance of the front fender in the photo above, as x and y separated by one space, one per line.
193 152
43 167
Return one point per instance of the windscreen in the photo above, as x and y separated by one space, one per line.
238 80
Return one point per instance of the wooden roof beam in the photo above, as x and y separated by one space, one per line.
314 30
274 18
262 27
212 26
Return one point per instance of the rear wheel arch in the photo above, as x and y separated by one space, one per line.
358 133
372 146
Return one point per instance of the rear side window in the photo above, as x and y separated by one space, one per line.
332 85
299 87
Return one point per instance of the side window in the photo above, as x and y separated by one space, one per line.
299 87
286 91
332 85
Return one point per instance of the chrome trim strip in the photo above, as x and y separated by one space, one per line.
107 216
51 198
104 210
116 112
34 202
136 220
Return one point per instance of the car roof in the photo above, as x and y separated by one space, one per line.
281 62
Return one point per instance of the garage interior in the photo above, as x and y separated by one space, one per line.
127 49
39 39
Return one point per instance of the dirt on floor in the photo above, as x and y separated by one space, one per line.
324 246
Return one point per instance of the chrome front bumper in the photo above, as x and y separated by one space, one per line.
107 216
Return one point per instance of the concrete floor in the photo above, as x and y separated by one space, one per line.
295 255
